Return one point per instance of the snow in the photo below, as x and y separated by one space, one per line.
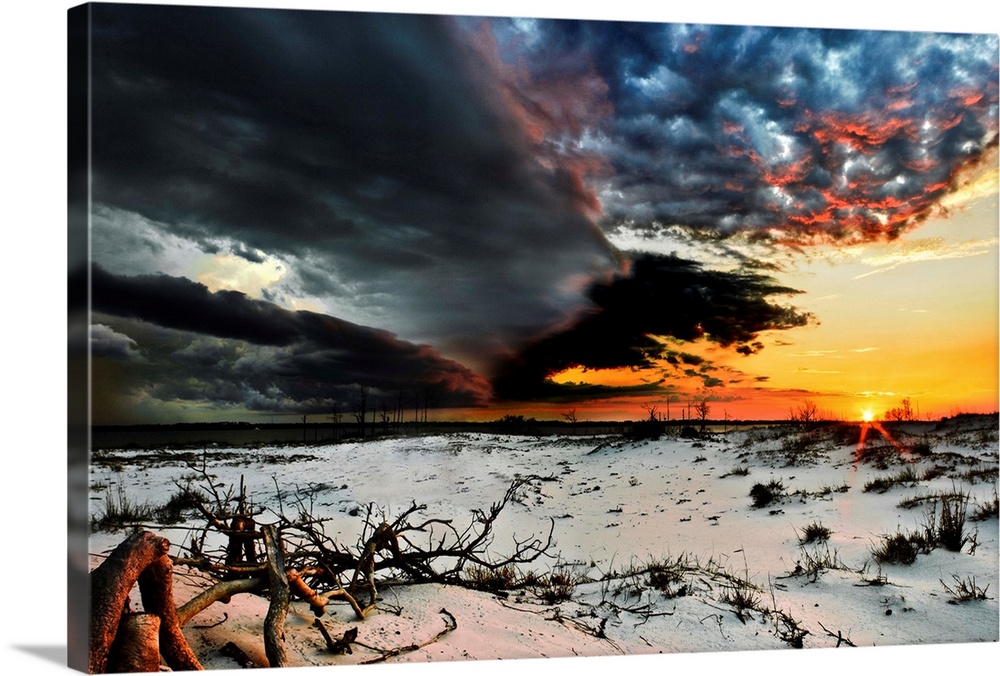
616 505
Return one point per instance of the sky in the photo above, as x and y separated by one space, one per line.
516 216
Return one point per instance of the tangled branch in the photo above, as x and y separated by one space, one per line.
296 558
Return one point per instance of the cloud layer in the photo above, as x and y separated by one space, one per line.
364 150
470 184
178 342
660 296
792 135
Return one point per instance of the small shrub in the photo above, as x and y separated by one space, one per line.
646 429
977 474
741 470
816 561
950 532
927 499
924 540
878 452
742 595
882 484
788 629
984 438
184 500
827 490
669 579
895 548
556 587
814 532
668 576
916 501
932 473
845 434
965 589
120 511
491 579
764 494
987 510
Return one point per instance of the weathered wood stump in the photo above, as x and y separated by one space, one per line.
277 610
242 533
141 558
136 647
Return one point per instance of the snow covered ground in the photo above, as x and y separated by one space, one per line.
664 546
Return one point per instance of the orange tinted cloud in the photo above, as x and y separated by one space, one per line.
864 132
554 110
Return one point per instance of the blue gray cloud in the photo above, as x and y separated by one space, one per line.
781 133
173 340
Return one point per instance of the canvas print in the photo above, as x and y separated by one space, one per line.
420 338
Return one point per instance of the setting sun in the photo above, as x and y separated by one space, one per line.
867 415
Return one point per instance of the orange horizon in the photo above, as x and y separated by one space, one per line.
620 412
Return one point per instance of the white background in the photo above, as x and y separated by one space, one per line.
33 224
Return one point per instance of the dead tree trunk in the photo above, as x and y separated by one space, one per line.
274 622
110 585
142 557
156 587
136 647
242 533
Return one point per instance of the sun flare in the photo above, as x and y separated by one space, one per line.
867 415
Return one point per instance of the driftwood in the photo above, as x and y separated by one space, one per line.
220 592
316 602
156 588
141 558
241 529
450 625
136 647
395 545
241 540
110 585
298 557
341 645
342 593
841 639
274 622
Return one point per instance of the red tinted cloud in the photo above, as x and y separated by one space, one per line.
554 107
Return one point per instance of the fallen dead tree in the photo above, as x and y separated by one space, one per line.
298 560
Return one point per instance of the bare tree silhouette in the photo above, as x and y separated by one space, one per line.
702 408
361 408
805 413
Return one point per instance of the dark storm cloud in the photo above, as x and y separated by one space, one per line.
660 296
179 303
371 146
105 342
792 134
229 349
